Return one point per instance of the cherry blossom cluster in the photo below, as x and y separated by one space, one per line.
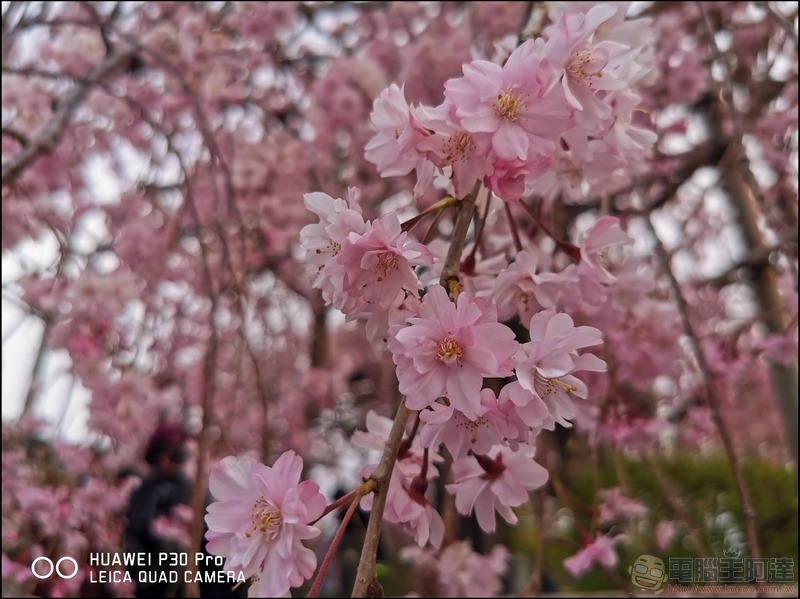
458 571
260 519
556 116
181 285
445 351
500 126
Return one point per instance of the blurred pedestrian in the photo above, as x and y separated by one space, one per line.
162 490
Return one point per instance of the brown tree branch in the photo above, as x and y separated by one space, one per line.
47 141
756 259
714 401
452 264
743 190
367 584
783 22
668 491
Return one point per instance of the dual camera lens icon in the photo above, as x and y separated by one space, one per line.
57 568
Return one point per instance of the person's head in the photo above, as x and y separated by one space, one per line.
166 451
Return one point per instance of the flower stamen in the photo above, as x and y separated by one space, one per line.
449 351
333 248
458 147
266 519
548 386
584 66
508 105
387 262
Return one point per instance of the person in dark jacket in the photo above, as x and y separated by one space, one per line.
165 488
162 490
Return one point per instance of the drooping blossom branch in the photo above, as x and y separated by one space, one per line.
50 136
570 104
366 576
745 194
668 490
452 264
355 497
712 397
366 584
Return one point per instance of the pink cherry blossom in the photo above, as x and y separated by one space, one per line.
615 506
637 66
406 501
495 482
408 506
460 571
378 323
377 264
507 179
445 424
582 63
509 103
593 269
583 168
545 364
152 222
176 526
528 407
260 517
447 350
600 551
526 286
449 145
394 149
665 533
323 241
14 570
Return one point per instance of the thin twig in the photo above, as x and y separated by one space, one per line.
337 504
744 192
433 226
366 577
512 225
326 562
48 140
452 264
781 20
568 248
667 487
713 398
479 235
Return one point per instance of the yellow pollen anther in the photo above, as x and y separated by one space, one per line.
508 105
266 519
578 68
458 147
547 386
449 351
567 388
387 262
